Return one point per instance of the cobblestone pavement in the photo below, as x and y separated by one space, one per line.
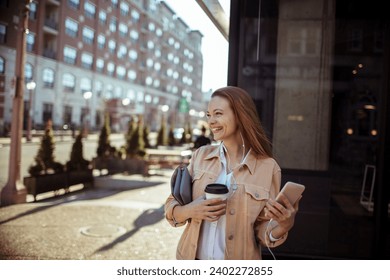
121 218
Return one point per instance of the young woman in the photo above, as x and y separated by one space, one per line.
235 228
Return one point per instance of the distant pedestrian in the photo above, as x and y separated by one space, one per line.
202 139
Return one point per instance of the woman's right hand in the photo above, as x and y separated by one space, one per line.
203 209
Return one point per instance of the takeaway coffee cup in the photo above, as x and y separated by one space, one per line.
216 191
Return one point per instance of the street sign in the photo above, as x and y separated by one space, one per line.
184 107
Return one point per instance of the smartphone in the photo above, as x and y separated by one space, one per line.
292 191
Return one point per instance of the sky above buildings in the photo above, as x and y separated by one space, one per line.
214 45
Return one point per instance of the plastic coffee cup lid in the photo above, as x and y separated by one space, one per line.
216 188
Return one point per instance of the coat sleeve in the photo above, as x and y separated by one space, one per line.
263 226
171 202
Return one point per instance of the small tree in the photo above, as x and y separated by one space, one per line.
77 161
162 134
104 147
44 160
130 145
137 144
146 136
171 137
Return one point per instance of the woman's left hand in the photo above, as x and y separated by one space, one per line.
282 212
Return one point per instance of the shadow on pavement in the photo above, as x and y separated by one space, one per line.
81 195
147 218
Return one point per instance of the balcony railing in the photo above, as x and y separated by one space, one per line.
49 53
51 23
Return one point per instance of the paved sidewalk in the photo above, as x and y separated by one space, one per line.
121 218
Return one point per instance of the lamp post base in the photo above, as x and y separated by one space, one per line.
13 194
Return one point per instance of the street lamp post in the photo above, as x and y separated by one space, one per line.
87 96
14 191
30 86
165 109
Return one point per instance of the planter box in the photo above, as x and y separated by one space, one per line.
54 182
135 166
116 165
45 183
84 177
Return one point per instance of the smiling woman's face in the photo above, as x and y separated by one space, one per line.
221 119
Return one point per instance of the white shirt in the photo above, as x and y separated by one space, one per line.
211 244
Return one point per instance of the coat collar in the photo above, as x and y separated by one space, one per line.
250 159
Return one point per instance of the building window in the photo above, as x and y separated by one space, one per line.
159 32
157 66
109 94
149 62
123 29
122 51
150 45
131 75
110 68
118 92
356 40
114 3
86 60
89 10
135 16
47 112
101 40
88 35
121 72
124 7
151 26
68 115
85 85
75 4
156 83
33 11
28 72
71 27
130 94
30 39
70 55
112 26
102 17
149 81
177 45
99 65
134 35
133 55
3 33
2 65
48 78
111 46
69 82
379 39
98 88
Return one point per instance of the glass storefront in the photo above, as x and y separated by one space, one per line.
318 71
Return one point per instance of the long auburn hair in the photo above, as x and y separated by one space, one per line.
248 120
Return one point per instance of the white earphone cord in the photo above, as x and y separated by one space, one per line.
266 240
